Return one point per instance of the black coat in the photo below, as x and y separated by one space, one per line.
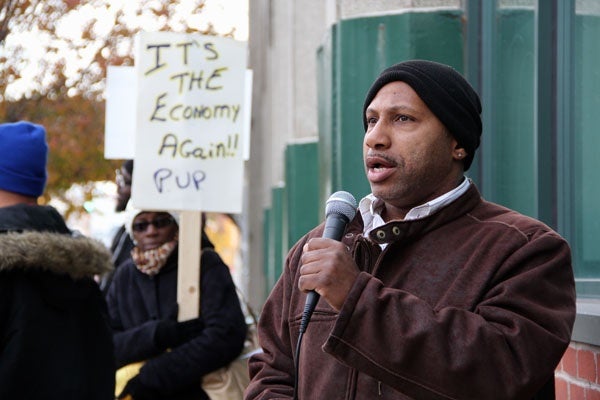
55 342
137 303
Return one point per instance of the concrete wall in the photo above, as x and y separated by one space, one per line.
283 40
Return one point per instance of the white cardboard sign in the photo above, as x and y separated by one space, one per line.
119 124
189 141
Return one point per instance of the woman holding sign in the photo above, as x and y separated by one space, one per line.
169 358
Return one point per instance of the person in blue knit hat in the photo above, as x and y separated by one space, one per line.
55 342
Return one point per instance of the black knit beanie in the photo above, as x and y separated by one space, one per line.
447 94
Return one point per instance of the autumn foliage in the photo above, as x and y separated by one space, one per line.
67 94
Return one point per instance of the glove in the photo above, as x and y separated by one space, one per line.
187 330
170 333
137 391
166 334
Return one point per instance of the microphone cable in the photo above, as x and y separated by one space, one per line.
307 313
297 364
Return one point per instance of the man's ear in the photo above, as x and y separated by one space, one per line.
459 153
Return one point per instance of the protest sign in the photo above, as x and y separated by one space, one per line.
189 144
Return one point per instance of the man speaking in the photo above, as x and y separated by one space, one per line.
433 292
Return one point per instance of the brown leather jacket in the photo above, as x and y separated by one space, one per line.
473 302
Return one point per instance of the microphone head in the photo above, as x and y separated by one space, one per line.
341 203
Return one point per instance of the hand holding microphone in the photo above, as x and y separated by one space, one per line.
326 266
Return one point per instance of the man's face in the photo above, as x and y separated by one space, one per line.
409 156
123 181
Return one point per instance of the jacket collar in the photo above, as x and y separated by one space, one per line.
403 229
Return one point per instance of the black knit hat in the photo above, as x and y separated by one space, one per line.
447 94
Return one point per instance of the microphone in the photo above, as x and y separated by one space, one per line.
340 209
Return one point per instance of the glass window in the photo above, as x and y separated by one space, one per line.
508 153
585 145
542 158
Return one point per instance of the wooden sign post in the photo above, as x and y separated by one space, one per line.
188 278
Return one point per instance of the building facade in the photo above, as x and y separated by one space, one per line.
534 64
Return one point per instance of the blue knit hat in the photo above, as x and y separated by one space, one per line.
23 156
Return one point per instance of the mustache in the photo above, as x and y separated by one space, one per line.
381 158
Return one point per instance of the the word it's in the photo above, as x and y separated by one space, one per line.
182 50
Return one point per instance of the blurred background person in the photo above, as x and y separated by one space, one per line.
121 244
143 308
55 342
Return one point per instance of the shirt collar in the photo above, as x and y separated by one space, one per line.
371 207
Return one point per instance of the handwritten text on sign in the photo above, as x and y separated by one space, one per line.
189 153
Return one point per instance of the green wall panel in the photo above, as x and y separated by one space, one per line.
301 190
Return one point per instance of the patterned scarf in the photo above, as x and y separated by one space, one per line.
151 261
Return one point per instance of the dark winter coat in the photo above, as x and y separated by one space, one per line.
473 302
55 342
138 303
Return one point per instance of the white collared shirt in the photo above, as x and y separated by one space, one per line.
371 207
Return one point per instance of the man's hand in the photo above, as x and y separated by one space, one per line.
327 268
